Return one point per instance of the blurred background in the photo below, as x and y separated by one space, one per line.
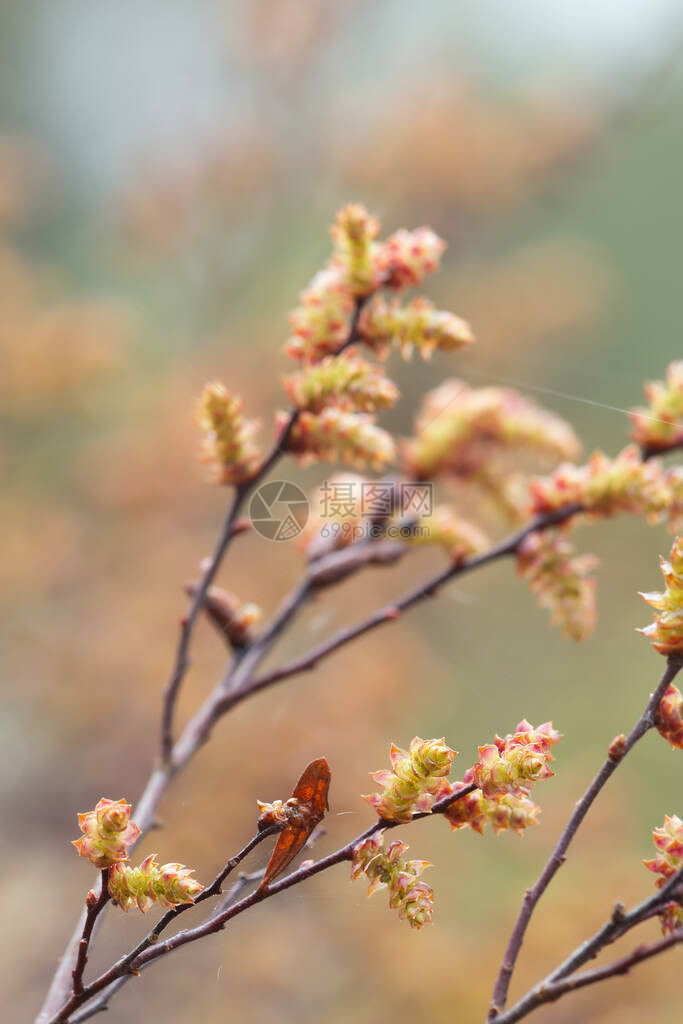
168 173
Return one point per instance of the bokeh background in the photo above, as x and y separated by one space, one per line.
167 175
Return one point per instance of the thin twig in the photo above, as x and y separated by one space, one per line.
558 856
619 923
180 666
390 612
99 1004
243 880
159 780
240 495
552 991
240 682
150 949
94 905
345 853
122 968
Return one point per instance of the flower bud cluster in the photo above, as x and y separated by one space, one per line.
229 445
660 426
336 435
514 763
606 486
167 885
669 718
668 842
107 833
457 536
666 632
386 869
561 581
358 267
460 428
416 325
502 811
415 777
337 392
356 251
347 381
320 323
410 255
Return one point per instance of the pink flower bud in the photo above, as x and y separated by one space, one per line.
561 581
168 885
666 632
668 842
503 811
469 811
416 325
107 833
512 811
461 429
334 435
229 444
346 382
660 426
411 255
515 763
416 776
669 718
387 869
356 252
606 486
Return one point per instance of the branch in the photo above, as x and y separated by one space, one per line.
160 777
558 856
150 949
100 1004
94 904
242 492
549 992
619 923
238 682
345 853
390 612
122 969
652 451
187 623
508 546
